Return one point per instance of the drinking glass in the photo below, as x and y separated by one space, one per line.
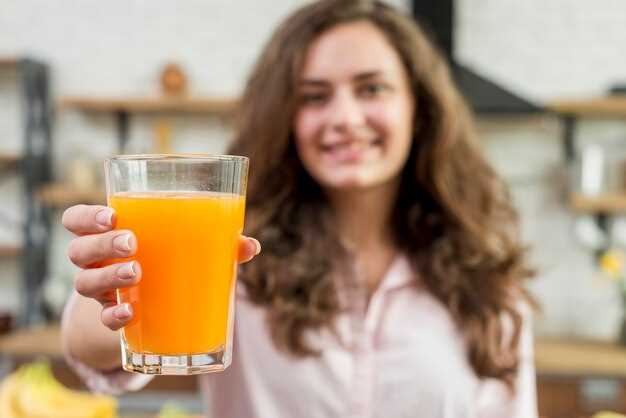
187 213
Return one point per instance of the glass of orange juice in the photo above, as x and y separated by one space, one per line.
187 212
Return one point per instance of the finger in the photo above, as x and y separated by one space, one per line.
89 249
115 316
92 283
248 249
88 219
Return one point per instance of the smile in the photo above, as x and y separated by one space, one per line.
352 150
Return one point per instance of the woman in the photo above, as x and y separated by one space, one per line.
390 283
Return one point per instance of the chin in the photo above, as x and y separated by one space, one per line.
350 183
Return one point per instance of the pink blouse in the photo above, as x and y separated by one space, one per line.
398 356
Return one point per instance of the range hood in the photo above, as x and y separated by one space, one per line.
483 95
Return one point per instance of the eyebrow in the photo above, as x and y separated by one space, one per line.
366 75
314 82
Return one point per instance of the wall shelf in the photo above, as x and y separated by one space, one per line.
9 61
9 161
564 357
59 195
123 107
613 203
40 341
216 106
602 106
10 251
570 111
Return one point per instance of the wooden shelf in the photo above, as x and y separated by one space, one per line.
60 195
9 161
552 356
606 203
9 62
7 251
222 107
558 357
25 345
602 106
41 341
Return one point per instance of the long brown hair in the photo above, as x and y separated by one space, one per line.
453 217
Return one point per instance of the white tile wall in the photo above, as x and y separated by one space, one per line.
544 50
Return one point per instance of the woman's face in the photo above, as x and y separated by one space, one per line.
353 125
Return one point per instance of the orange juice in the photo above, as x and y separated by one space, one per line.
187 247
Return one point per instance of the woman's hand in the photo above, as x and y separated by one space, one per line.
95 242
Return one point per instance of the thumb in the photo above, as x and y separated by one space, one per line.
248 249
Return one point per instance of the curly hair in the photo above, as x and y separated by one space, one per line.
453 218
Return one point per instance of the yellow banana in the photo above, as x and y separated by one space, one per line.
8 397
171 410
607 414
37 394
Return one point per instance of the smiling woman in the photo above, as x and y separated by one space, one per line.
391 280
364 153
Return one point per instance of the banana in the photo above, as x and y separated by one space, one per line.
8 397
171 410
33 392
608 414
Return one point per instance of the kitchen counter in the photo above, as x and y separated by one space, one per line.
569 357
553 356
574 377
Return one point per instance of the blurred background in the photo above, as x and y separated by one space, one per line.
547 81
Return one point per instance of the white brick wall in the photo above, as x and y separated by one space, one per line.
545 49
542 49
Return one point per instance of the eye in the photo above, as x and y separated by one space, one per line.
371 90
313 98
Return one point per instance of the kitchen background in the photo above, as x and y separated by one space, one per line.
543 51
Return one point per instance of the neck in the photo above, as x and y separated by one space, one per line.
364 216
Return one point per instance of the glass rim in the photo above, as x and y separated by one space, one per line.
199 157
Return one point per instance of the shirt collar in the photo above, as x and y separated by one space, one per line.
399 274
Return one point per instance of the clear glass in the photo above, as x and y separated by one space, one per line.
187 212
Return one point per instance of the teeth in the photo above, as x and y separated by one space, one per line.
351 145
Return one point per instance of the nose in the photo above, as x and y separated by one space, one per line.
345 111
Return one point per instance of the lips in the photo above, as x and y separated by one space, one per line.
350 150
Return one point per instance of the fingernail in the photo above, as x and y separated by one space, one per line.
257 245
126 271
122 242
123 311
104 217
